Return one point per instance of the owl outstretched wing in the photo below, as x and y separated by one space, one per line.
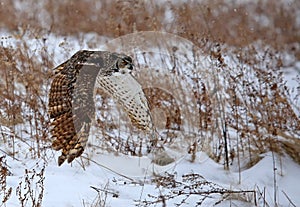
71 101
127 91
71 105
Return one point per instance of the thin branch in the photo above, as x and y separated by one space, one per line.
288 199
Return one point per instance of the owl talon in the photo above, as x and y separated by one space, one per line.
160 157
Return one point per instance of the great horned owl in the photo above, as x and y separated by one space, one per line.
71 98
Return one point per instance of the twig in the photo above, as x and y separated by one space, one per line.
114 194
10 155
288 198
124 176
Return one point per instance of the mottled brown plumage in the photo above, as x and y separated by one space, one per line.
71 101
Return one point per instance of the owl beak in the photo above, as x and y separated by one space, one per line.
130 67
127 69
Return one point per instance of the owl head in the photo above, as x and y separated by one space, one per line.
108 63
123 64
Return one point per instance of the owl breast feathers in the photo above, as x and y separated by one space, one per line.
71 99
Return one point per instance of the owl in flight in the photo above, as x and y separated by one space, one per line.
71 99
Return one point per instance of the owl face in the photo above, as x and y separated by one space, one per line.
124 65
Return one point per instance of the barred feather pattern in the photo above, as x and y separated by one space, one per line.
71 99
128 92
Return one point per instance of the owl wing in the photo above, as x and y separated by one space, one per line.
128 92
71 103
71 106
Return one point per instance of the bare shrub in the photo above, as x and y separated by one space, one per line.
180 192
30 191
22 93
5 191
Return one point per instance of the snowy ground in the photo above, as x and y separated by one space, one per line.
71 185
124 180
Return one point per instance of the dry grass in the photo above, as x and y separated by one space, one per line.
26 74
193 185
30 190
274 23
259 113
5 191
23 100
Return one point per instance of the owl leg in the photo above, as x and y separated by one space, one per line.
157 152
160 157
154 138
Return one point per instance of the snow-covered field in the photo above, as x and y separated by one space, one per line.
110 179
129 182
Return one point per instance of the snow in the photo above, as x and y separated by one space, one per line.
131 182
124 180
292 78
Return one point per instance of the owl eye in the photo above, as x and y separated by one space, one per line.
122 64
127 59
